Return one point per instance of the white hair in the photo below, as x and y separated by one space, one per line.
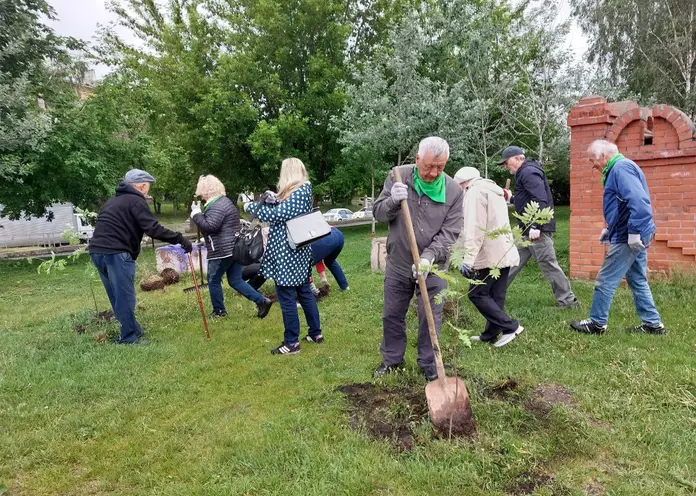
435 145
602 147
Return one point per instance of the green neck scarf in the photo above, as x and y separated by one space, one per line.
435 190
610 164
210 202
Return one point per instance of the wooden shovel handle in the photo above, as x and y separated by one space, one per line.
507 184
423 286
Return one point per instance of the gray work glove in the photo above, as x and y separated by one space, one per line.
399 192
423 268
635 242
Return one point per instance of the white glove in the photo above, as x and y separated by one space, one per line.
423 268
635 242
534 234
399 192
247 206
195 208
507 194
604 237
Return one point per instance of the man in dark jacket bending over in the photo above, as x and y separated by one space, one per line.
531 185
435 203
115 246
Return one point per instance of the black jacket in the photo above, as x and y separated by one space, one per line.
219 224
122 222
531 185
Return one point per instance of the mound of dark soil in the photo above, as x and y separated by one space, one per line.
170 276
152 283
391 413
386 413
324 291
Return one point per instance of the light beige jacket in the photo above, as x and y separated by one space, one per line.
485 210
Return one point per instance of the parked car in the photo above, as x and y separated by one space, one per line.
363 213
338 215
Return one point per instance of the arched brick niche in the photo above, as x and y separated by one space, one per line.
661 141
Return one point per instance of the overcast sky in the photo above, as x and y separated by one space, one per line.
81 19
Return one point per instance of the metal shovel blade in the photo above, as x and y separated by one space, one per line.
449 405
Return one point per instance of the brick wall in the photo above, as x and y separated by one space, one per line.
661 141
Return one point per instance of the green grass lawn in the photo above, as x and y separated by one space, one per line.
183 416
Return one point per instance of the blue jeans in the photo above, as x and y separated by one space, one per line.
291 320
117 272
622 261
332 264
221 266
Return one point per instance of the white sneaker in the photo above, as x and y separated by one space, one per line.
506 338
475 339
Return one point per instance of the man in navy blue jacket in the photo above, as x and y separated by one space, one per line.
629 231
115 246
531 185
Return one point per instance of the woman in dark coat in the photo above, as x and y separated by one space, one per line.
219 223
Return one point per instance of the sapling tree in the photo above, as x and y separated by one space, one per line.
72 237
458 286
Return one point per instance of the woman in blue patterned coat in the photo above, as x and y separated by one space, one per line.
290 269
219 224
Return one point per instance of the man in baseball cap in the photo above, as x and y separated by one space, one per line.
531 185
115 246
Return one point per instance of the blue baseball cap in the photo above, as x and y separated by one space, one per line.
509 152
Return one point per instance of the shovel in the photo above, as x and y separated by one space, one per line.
448 400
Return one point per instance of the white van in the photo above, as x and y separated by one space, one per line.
40 231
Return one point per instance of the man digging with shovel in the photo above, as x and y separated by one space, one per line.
435 204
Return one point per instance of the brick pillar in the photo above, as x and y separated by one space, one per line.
589 120
661 141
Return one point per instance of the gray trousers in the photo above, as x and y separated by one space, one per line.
398 291
545 255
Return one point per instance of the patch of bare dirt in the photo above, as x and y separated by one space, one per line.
79 328
528 482
545 396
152 283
391 413
386 413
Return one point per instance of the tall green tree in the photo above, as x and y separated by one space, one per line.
36 73
649 46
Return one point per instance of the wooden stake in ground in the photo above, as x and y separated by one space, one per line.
198 293
448 400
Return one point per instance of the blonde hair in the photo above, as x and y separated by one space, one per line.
292 175
210 186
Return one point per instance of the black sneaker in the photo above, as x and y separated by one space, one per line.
315 339
387 369
587 326
284 349
430 372
217 314
650 329
264 308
